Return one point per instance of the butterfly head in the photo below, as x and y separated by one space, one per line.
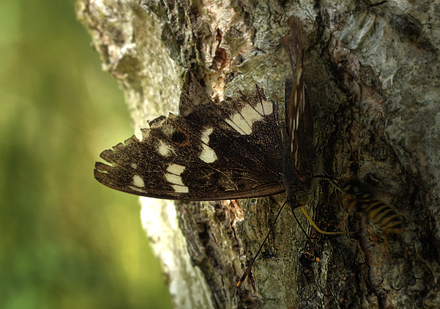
302 197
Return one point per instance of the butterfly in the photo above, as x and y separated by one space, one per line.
240 148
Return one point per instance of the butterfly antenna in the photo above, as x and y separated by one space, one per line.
248 270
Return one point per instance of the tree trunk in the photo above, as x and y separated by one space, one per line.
372 75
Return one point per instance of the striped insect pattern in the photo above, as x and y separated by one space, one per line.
357 195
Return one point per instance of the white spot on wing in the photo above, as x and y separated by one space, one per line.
235 123
138 181
297 120
208 154
298 74
176 179
175 169
206 134
173 176
180 189
266 108
242 122
164 149
134 166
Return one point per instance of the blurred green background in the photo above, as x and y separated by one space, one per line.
66 241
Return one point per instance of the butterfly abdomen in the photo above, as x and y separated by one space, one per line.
358 196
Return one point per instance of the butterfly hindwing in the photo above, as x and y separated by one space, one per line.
235 149
211 152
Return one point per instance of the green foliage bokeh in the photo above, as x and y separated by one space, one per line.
66 241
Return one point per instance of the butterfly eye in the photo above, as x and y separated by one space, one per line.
180 137
301 198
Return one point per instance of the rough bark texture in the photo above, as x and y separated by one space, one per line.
372 73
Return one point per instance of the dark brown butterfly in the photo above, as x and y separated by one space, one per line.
242 147
236 149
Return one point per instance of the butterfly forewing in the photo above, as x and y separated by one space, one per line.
299 116
213 152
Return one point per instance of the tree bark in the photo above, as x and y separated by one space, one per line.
372 74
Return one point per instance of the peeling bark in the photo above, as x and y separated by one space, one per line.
372 73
